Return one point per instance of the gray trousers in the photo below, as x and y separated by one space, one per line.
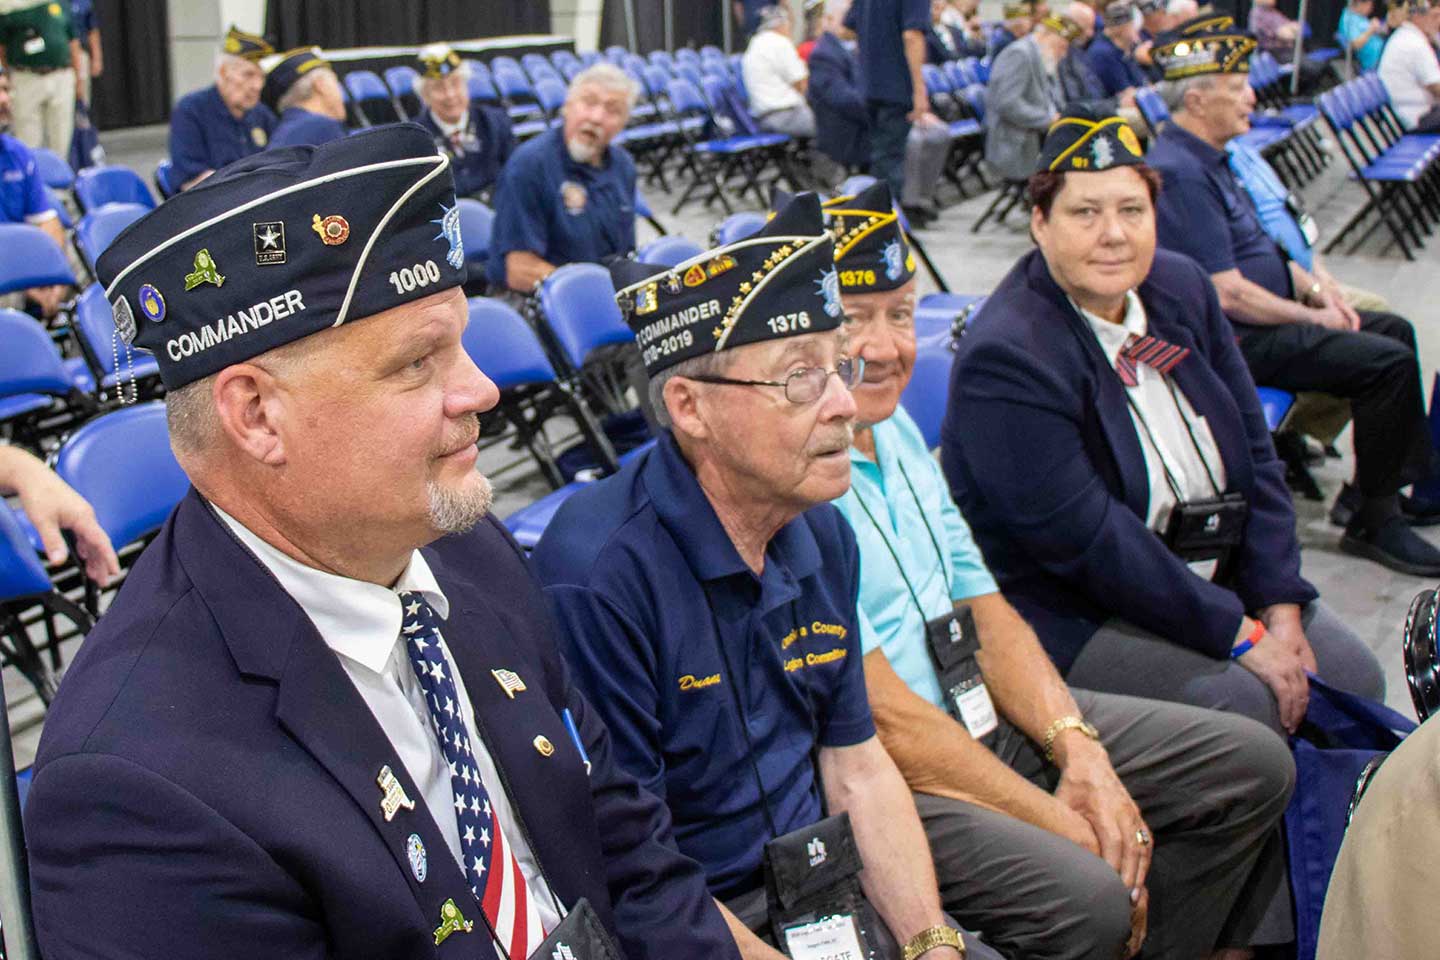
750 909
797 121
1211 787
1122 658
926 149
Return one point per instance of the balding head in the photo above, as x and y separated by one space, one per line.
1084 16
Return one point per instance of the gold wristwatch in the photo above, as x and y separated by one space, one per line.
929 939
1070 722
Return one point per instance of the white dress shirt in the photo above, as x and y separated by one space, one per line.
1408 66
360 622
1163 411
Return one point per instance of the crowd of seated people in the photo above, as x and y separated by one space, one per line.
787 683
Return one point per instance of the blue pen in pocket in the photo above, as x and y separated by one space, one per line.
575 735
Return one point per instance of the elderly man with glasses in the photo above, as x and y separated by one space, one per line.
707 597
477 138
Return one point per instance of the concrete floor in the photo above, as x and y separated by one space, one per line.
1372 599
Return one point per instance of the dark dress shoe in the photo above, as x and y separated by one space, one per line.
1343 510
1419 512
1392 543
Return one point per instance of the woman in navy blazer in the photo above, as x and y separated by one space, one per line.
1045 461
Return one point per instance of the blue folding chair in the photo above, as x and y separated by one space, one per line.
38 394
925 395
528 523
669 251
27 597
31 259
130 443
165 180
53 170
577 303
1276 403
113 364
403 81
99 228
737 226
1151 107
61 210
370 98
97 186
550 93
476 223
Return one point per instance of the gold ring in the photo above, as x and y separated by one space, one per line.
1142 838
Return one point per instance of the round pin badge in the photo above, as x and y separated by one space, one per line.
333 230
152 305
419 863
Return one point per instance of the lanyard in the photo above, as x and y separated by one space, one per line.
1160 453
934 541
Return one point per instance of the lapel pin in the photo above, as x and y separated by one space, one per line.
395 797
543 745
451 921
509 681
419 863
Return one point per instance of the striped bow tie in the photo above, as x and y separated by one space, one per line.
1157 354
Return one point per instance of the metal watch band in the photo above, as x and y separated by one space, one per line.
929 939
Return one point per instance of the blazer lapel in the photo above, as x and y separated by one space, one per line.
271 638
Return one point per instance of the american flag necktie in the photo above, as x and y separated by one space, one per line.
1155 353
489 862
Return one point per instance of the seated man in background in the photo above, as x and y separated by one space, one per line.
249 754
775 77
707 594
1296 329
1024 97
1039 801
568 195
1110 54
1364 33
1410 70
476 137
1078 82
23 199
1155 19
1019 20
225 121
304 90
946 41
842 124
54 509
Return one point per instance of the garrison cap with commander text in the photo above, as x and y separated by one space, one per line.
1205 45
284 244
872 252
1085 140
779 282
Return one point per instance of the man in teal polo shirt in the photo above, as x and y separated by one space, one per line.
42 52
1060 821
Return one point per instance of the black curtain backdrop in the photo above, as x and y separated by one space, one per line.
135 87
696 23
367 23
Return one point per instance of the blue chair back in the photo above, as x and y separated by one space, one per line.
31 259
550 94
58 205
975 96
481 86
505 62
925 395
561 57
591 57
535 61
95 323
366 85
104 459
685 97
478 69
711 52
686 55
738 226
99 228
22 575
1276 403
53 170
578 301
401 80
615 54
661 58
571 70
29 363
97 186
669 251
1151 107
504 346
657 79
690 73
513 84
165 179
476 223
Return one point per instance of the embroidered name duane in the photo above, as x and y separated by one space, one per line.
692 682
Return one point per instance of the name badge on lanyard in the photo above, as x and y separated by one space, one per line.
833 938
954 644
579 936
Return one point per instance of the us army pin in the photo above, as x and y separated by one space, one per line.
451 921
395 797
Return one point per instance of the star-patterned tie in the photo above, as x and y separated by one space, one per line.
1155 353
489 861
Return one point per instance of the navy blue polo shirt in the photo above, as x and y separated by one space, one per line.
648 588
205 135
82 15
560 210
478 152
301 127
880 25
1114 68
22 191
1204 213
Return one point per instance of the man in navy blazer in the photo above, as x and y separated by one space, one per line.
842 131
251 756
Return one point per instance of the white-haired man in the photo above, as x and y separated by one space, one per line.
303 89
477 137
776 78
225 121
568 195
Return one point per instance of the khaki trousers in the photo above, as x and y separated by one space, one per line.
43 108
